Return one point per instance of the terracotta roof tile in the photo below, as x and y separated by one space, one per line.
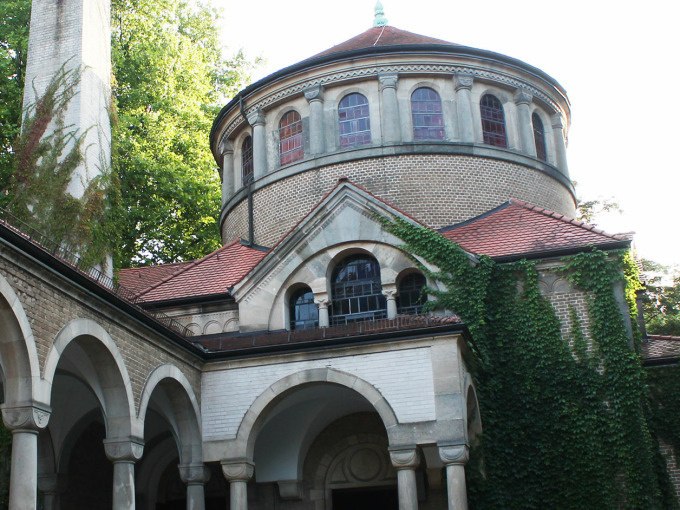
517 228
661 346
139 279
213 274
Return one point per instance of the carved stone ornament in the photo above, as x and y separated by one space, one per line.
463 81
314 93
129 449
390 294
322 302
405 458
26 417
226 147
454 454
240 470
194 474
556 121
388 81
256 118
523 96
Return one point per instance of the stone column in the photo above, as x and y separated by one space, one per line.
51 486
237 474
24 422
227 151
526 130
463 84
560 147
195 476
454 458
405 460
391 298
256 119
391 129
322 302
317 135
123 453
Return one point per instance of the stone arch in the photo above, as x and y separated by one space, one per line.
254 418
473 419
106 374
19 365
182 411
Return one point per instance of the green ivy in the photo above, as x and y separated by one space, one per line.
566 420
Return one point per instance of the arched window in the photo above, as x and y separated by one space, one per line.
356 291
290 138
426 111
539 137
411 298
354 121
493 121
247 160
303 311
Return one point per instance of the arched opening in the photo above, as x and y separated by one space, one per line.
356 291
303 312
493 121
411 296
539 137
247 165
290 138
426 112
354 121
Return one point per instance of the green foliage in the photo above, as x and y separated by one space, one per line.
661 301
565 419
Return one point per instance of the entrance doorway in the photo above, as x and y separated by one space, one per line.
366 498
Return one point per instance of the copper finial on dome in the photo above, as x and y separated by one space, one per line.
380 20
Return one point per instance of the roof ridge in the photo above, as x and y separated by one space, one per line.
165 264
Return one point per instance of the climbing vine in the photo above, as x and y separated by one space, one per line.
566 420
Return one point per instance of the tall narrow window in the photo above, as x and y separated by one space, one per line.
247 160
493 121
356 291
411 297
539 137
354 121
303 311
426 111
290 138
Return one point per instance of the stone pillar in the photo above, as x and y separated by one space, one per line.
227 151
24 422
317 134
560 147
526 129
454 458
256 119
237 474
405 460
391 129
391 299
195 476
123 453
463 84
322 302
51 486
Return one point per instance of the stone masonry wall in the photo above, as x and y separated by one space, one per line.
438 190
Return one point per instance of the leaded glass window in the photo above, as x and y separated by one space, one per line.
539 137
290 138
354 121
426 111
303 311
247 169
493 121
356 291
411 298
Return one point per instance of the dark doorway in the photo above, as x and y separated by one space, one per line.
368 498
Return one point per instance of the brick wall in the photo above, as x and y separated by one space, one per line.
438 190
672 465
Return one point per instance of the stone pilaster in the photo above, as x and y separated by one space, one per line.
123 453
454 458
523 99
406 460
391 129
228 177
317 134
257 120
463 84
560 146
237 473
195 476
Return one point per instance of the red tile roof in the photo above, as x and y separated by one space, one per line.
139 279
658 347
382 36
213 274
517 228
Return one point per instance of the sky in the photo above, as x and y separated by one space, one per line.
618 61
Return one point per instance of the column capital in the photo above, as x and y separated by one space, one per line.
556 121
389 293
523 96
226 147
321 300
314 93
238 470
463 81
454 454
194 474
404 457
26 417
126 449
256 118
388 81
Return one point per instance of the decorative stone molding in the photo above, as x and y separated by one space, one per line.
256 118
388 81
226 147
290 490
454 454
27 417
322 302
523 96
405 457
390 294
314 93
556 121
128 449
463 81
194 474
238 470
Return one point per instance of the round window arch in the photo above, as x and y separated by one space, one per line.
356 291
290 138
539 137
426 112
493 121
411 298
304 313
354 121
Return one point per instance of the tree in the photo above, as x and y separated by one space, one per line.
661 301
